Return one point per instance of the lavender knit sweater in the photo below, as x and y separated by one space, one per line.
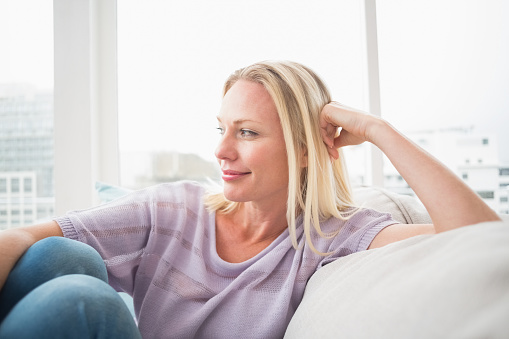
159 246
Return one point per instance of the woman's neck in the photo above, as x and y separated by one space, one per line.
257 224
242 234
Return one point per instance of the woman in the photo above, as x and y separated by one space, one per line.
234 263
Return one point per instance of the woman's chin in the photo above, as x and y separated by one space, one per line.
235 196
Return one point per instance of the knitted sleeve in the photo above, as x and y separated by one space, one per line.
357 233
121 230
118 230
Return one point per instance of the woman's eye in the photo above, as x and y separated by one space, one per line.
247 133
221 130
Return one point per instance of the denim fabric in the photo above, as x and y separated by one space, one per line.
58 289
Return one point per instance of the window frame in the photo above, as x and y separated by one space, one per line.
85 100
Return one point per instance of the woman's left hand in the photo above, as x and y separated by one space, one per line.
355 126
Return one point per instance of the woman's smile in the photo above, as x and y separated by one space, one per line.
230 175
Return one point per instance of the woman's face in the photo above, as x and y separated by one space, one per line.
252 151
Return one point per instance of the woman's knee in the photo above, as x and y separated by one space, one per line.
82 294
59 256
45 260
76 306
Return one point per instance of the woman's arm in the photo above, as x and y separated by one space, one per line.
15 242
448 200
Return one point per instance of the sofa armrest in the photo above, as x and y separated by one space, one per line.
403 208
450 285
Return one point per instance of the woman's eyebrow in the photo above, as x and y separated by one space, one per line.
239 121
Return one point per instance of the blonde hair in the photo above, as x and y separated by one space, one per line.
320 189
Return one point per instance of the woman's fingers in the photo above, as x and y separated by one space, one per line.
351 123
333 153
328 132
346 138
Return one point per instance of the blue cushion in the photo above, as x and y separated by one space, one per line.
109 192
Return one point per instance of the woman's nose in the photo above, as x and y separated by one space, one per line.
226 148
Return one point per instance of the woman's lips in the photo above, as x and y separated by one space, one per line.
229 175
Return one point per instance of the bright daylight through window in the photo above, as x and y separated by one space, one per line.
174 60
443 84
444 81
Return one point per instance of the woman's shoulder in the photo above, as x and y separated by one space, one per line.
179 187
358 217
355 223
185 193
173 190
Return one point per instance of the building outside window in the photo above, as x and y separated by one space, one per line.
441 77
26 112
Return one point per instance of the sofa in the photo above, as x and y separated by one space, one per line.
449 285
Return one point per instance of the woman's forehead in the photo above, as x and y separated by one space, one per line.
247 100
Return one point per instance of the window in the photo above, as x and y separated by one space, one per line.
26 108
3 185
414 92
486 194
27 185
174 57
15 185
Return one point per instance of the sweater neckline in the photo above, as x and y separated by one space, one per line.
226 267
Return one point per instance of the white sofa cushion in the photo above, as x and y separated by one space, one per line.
403 208
451 285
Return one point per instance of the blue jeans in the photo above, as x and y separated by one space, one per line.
58 289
